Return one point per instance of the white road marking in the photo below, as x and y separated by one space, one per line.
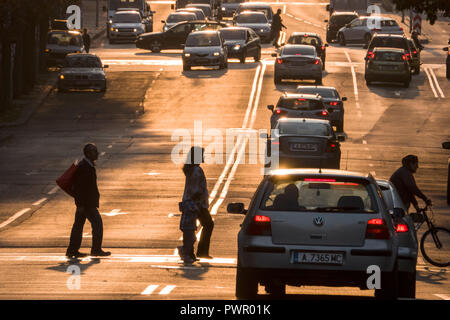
14 217
102 154
152 173
431 83
39 201
443 296
364 142
436 82
167 289
113 213
355 84
284 9
54 190
149 290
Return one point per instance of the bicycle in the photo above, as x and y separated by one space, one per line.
435 242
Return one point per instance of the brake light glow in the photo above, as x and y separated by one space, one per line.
404 57
260 226
324 113
319 180
301 99
261 219
371 55
316 61
377 229
278 111
333 103
322 47
401 228
279 61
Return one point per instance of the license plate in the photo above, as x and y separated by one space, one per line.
303 147
318 258
388 68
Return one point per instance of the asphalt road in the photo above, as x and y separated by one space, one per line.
137 124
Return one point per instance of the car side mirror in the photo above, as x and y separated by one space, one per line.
398 213
236 207
445 49
446 145
344 99
162 21
326 45
105 66
172 6
274 55
325 20
270 107
340 137
327 7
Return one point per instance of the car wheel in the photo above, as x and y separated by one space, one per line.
318 81
389 285
341 39
186 67
417 70
155 46
258 55
277 79
323 64
340 126
246 284
407 284
329 39
277 290
242 58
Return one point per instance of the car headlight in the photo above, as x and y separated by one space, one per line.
262 30
216 54
237 47
61 77
47 50
187 55
223 9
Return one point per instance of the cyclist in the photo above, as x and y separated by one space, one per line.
403 180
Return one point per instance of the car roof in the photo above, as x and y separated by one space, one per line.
82 54
127 12
388 49
205 32
235 28
314 87
310 96
309 120
181 13
249 12
376 18
66 31
297 33
320 172
388 35
297 46
344 13
190 5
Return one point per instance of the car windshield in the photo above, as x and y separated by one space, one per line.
233 34
389 56
325 93
341 20
388 42
251 18
318 194
292 51
389 23
308 40
206 9
126 18
266 11
300 128
65 39
300 104
82 62
173 18
203 40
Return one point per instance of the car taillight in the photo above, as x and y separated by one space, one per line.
260 226
323 113
415 52
279 111
404 57
322 48
377 229
399 228
333 103
407 56
279 61
331 147
316 61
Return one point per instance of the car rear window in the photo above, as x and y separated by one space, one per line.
308 40
300 104
303 128
389 23
325 93
389 42
318 194
389 56
65 39
292 51
203 40
266 11
233 34
82 62
341 20
180 17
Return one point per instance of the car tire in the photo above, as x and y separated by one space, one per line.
417 70
276 290
186 67
246 284
242 57
389 285
155 46
258 55
318 81
407 285
277 79
323 64
340 126
329 39
448 72
341 39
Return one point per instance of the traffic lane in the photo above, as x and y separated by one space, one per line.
44 148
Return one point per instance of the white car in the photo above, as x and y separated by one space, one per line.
316 227
361 29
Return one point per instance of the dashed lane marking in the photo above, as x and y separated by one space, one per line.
149 290
167 289
443 296
14 217
54 190
39 202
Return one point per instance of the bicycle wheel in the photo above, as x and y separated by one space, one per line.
436 249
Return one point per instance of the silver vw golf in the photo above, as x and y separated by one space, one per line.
316 227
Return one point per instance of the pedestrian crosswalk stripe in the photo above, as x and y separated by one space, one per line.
150 289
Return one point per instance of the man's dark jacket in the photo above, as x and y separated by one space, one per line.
85 186
276 22
405 184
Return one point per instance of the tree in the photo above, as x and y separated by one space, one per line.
429 7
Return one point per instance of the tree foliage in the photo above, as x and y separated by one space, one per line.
430 8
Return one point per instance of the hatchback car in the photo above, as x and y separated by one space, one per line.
258 7
82 71
205 48
299 62
126 26
295 105
241 43
256 21
175 37
388 65
360 30
333 102
338 20
60 43
407 239
312 39
304 143
315 228
175 17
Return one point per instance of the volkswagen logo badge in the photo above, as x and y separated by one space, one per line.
318 221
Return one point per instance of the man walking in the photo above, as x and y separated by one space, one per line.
277 25
403 180
87 197
86 40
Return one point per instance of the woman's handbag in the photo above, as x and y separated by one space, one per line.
65 182
189 212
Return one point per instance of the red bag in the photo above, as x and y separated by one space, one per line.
66 180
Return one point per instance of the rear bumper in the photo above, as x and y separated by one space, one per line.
81 84
299 73
384 76
125 36
208 61
327 160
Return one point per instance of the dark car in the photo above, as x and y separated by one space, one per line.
293 105
175 37
388 65
394 41
312 39
60 43
206 8
82 71
337 21
256 6
304 143
228 8
256 21
332 101
447 62
205 48
241 43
